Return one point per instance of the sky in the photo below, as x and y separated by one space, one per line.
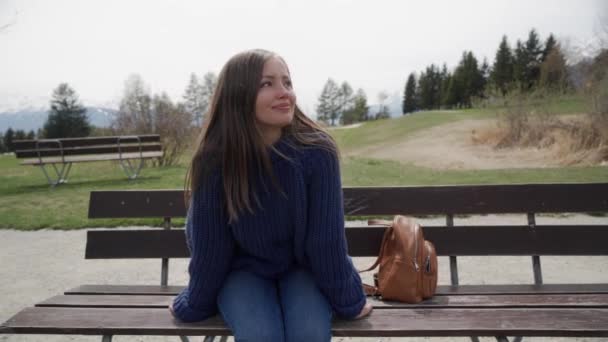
94 45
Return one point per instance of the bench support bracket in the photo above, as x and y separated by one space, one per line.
62 175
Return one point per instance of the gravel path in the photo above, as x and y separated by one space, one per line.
37 265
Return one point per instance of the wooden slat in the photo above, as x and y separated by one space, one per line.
476 199
88 141
599 301
91 150
129 290
381 323
137 203
487 289
365 241
92 158
496 240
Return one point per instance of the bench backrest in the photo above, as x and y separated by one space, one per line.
86 146
450 240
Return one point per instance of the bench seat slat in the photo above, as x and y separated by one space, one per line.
92 158
91 150
87 141
457 301
365 241
382 323
441 289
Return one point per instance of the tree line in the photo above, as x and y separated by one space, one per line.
528 65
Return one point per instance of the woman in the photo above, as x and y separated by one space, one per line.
266 220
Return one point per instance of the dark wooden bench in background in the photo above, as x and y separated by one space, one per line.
61 153
534 309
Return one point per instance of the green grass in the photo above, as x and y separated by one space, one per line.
27 202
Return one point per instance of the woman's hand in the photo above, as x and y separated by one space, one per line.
171 309
367 308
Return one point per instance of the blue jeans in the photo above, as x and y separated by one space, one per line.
289 309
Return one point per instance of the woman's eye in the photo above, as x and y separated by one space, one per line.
288 84
266 84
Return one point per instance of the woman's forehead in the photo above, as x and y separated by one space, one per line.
274 66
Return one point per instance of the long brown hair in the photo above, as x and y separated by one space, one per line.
231 141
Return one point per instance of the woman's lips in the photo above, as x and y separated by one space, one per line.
284 107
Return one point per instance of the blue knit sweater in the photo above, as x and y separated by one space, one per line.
306 229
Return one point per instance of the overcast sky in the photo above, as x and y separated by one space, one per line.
95 44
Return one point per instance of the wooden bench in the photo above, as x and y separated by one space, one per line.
534 309
61 153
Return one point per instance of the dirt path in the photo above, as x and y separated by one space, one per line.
452 146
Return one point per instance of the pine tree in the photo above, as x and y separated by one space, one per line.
328 107
2 147
409 95
520 64
67 117
534 53
549 45
502 70
8 138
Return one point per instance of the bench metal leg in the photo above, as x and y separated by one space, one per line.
62 175
131 171
474 339
184 338
106 338
502 339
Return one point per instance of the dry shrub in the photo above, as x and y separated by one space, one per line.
527 122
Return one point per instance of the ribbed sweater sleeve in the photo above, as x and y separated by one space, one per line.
326 247
212 248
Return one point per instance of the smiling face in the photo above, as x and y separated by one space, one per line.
276 100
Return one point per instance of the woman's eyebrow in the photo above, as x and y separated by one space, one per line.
274 76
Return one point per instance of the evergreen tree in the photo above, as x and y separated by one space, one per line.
502 70
520 64
30 135
20 135
409 95
466 82
446 78
328 107
67 117
549 45
8 138
534 53
193 100
2 147
429 88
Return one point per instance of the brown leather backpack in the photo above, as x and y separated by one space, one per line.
408 263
